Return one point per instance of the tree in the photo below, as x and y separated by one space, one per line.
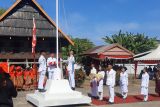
136 43
80 46
2 11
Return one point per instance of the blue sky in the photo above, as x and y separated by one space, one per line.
93 19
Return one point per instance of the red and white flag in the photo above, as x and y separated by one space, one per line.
34 40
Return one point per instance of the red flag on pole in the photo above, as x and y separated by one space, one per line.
34 40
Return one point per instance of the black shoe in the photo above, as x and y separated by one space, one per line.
42 90
111 102
73 88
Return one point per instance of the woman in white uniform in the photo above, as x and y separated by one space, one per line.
94 86
101 74
124 82
93 70
145 84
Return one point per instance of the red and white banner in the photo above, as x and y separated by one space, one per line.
34 40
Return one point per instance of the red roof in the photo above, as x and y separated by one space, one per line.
113 51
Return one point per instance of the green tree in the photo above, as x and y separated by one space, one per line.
136 43
80 46
2 11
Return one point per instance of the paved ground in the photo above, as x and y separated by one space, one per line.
134 89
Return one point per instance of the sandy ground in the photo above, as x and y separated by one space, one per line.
134 89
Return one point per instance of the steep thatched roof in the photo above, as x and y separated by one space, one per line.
18 21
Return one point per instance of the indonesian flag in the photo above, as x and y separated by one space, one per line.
34 40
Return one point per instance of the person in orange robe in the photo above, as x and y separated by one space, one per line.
27 79
12 74
19 78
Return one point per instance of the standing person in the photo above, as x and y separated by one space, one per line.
93 70
71 70
42 71
7 90
94 86
51 64
124 82
145 84
101 75
110 82
157 77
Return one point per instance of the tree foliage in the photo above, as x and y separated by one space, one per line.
80 46
2 11
136 43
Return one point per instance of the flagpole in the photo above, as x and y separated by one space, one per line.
57 48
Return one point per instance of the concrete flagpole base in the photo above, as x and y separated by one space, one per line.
58 92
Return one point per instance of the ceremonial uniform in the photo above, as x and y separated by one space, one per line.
100 84
144 85
94 87
70 69
93 70
124 84
42 71
51 64
110 82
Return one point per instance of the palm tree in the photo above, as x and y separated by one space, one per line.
136 43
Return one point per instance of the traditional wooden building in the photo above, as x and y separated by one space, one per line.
16 31
113 53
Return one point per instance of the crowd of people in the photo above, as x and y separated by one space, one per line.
109 76
23 79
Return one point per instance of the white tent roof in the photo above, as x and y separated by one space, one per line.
154 55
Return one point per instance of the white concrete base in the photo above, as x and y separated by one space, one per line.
58 93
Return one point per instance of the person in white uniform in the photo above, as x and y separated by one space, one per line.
145 84
94 86
110 82
42 71
51 64
71 70
93 70
124 82
101 74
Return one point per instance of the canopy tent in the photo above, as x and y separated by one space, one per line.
152 58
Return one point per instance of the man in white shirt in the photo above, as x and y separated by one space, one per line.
42 71
110 82
71 70
51 64
123 82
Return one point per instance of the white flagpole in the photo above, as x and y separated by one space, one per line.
57 48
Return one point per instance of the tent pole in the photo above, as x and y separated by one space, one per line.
135 64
